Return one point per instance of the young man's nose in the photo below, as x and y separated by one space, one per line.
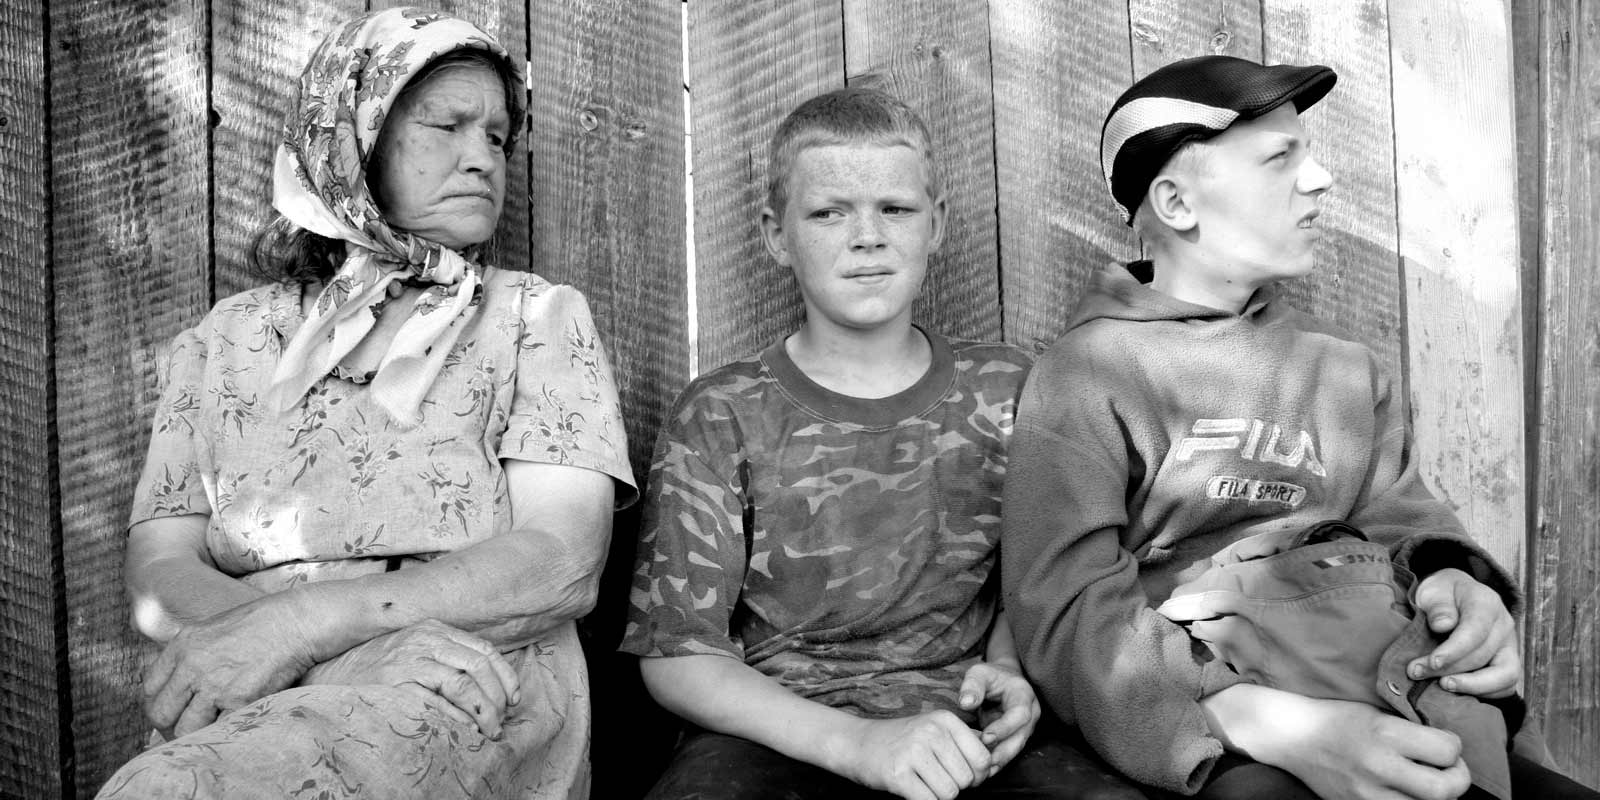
1314 178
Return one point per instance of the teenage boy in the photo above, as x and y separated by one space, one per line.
814 590
1185 409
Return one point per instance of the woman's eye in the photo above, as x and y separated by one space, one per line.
824 213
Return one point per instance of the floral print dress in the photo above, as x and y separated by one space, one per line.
333 488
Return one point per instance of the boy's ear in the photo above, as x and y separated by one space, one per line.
1168 200
772 235
940 210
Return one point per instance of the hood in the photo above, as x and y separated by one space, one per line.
1122 291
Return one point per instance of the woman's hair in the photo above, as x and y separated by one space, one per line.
283 251
853 115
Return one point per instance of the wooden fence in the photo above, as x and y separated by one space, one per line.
135 140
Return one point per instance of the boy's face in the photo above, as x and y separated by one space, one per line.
1254 198
857 231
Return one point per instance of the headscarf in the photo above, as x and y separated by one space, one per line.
319 184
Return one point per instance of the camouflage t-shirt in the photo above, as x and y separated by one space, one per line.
839 545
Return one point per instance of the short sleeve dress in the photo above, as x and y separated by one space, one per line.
333 488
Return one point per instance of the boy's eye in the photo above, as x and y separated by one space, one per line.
895 211
824 213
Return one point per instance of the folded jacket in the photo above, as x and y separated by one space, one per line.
1322 612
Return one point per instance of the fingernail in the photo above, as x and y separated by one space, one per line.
968 699
1416 671
1449 684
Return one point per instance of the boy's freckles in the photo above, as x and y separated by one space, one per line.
857 231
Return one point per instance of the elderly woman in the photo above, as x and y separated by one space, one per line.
379 490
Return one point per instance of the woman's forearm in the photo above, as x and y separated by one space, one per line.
507 589
171 579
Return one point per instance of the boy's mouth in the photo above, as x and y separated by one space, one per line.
867 272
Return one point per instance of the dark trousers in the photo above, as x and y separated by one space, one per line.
1239 778
714 766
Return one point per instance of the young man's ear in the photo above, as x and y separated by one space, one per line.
772 235
1168 202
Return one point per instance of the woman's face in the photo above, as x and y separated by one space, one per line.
439 170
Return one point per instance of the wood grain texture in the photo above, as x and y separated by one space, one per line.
1164 31
608 205
32 686
259 50
129 157
749 64
1058 66
1456 185
607 159
507 21
935 56
1563 658
1356 284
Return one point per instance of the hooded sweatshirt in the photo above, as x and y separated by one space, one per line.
1157 432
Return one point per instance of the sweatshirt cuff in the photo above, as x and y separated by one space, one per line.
1426 553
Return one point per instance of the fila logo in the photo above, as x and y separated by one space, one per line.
1255 440
1228 487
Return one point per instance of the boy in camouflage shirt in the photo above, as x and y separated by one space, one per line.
815 586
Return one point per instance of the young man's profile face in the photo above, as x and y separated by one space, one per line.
857 231
1254 195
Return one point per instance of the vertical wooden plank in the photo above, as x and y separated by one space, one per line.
935 56
129 133
33 744
1356 283
1563 682
749 64
1456 183
507 21
258 52
607 160
1057 67
1164 31
608 201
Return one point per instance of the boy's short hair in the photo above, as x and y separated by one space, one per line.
1192 100
852 115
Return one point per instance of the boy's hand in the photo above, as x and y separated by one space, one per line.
928 756
1479 657
1347 750
1009 715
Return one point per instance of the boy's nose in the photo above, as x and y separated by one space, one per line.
866 231
1314 177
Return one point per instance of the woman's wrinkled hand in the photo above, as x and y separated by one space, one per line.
436 660
222 663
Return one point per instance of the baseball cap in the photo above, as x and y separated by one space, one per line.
1189 100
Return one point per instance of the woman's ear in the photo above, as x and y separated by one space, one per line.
772 235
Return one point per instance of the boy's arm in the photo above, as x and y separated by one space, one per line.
920 757
1013 707
1466 596
1340 749
1088 639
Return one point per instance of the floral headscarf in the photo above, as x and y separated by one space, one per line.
319 184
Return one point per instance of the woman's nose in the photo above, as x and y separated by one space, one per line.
479 154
